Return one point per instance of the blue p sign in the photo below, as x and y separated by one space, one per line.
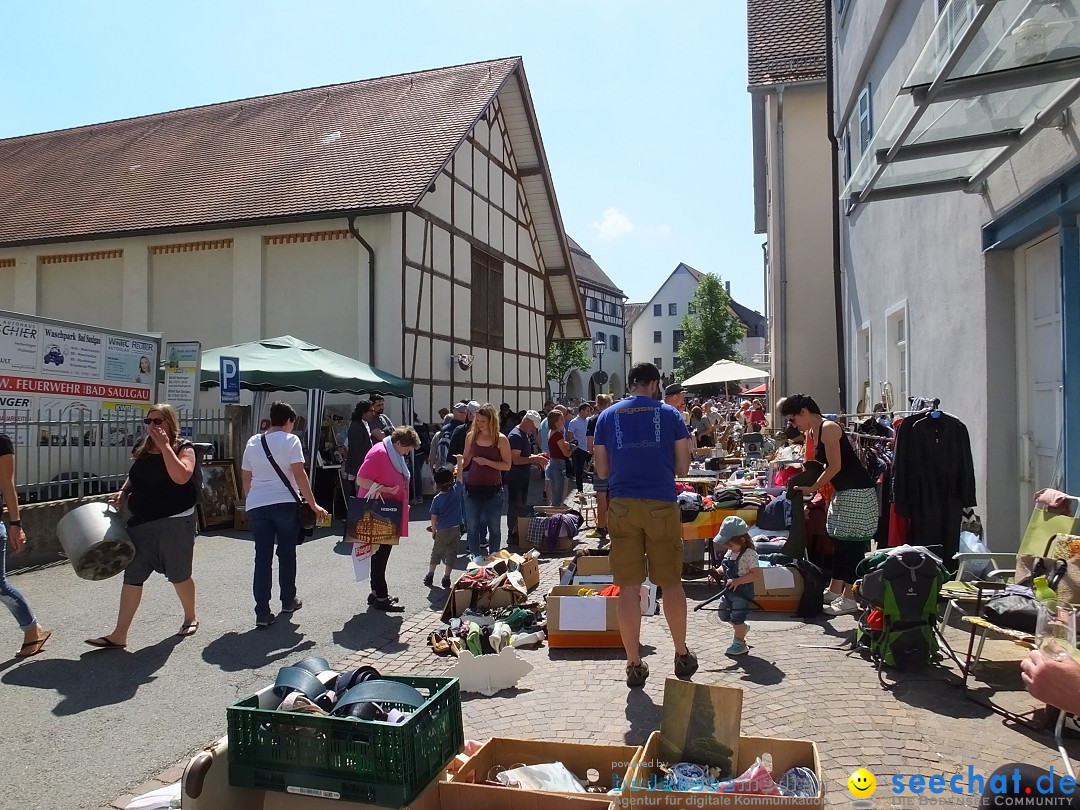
229 377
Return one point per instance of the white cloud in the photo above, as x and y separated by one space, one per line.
613 225
664 230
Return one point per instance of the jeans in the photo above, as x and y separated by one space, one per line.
556 475
517 506
8 595
276 523
484 520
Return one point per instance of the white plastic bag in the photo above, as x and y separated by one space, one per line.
160 799
971 543
552 776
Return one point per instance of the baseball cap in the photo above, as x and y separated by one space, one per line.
534 417
673 389
462 406
732 526
473 407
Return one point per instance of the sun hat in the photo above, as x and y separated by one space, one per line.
473 408
733 526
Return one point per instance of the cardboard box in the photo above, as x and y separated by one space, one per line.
462 796
565 543
577 621
782 600
692 711
594 570
503 560
461 598
612 762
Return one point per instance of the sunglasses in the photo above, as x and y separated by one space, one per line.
153 421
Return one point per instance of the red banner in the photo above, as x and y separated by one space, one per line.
66 388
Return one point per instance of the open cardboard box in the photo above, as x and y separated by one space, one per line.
692 711
461 598
462 796
594 570
784 600
612 762
582 621
565 543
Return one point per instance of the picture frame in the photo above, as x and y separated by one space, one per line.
219 493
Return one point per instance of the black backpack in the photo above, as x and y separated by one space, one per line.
904 587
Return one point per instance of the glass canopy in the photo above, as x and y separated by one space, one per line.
993 73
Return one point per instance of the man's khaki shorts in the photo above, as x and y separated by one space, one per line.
645 542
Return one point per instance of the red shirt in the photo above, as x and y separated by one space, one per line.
554 450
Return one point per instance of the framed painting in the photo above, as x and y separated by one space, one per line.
217 500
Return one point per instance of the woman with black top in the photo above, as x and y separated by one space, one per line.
161 496
853 510
34 635
359 438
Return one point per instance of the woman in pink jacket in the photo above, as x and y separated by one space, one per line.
386 469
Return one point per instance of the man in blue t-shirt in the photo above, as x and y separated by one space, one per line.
518 477
640 446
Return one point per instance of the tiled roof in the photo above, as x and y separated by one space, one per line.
356 147
753 320
785 41
588 270
631 312
697 274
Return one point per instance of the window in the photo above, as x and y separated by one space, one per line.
960 13
899 359
614 343
846 146
672 309
657 337
487 300
599 337
691 309
675 362
594 305
676 339
656 361
866 120
610 308
657 310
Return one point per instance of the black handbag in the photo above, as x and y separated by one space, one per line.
304 513
1013 611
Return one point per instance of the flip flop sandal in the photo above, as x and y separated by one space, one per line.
103 643
188 629
32 648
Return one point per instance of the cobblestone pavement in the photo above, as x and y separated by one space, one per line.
798 680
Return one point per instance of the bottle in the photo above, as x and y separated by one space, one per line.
1043 591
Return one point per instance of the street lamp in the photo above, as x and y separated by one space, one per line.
598 349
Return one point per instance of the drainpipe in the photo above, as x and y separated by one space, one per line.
1069 241
779 256
371 285
838 282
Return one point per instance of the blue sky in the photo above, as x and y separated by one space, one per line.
642 106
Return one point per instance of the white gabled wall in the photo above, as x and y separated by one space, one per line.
679 290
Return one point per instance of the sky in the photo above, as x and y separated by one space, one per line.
643 107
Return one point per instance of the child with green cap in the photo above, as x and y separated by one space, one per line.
737 572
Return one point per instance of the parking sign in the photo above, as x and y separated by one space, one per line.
229 378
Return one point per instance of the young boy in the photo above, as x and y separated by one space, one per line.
447 516
736 572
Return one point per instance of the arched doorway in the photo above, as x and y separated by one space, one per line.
575 387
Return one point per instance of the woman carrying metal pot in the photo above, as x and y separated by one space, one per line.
161 495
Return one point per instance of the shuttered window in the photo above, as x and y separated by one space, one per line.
866 120
487 300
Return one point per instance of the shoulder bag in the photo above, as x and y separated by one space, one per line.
304 513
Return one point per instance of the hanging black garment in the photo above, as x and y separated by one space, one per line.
933 480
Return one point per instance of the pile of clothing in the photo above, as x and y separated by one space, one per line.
735 498
487 632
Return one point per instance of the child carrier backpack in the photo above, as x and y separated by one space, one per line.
900 592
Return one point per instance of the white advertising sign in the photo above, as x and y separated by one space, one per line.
182 374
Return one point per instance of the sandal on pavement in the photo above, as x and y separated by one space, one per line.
388 604
188 629
103 643
32 648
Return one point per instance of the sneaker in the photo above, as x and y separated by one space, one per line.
389 604
264 619
737 648
429 580
685 665
476 558
446 582
636 675
371 597
292 606
841 607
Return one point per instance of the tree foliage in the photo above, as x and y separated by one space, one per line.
711 331
564 356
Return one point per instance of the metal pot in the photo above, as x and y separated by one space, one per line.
95 541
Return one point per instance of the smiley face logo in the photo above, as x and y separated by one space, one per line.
862 783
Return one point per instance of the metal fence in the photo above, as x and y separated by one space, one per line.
74 453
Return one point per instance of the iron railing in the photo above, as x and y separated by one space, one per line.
75 453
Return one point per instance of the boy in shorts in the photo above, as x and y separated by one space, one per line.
447 515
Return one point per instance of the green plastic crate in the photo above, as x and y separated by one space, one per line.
380 763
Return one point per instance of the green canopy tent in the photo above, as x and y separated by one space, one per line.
288 364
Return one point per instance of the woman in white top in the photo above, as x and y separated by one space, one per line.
272 509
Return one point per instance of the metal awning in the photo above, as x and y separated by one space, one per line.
993 74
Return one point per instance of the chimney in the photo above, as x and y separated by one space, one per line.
727 284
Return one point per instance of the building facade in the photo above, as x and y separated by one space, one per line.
960 251
409 222
604 303
793 194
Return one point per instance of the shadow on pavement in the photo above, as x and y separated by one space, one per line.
643 715
372 630
754 669
98 678
257 647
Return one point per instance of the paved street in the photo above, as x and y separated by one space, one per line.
96 726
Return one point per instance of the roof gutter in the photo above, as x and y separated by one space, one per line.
838 278
371 284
